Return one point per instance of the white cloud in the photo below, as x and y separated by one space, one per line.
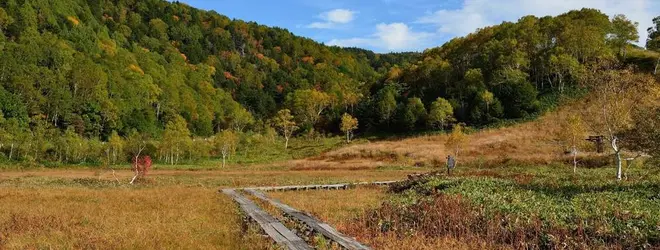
333 18
389 37
338 16
475 14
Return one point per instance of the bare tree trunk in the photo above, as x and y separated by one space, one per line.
223 160
135 164
135 176
574 159
11 151
114 175
286 143
617 155
619 169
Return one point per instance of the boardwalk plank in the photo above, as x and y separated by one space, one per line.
318 226
269 224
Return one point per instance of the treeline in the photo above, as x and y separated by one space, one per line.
507 71
44 143
77 72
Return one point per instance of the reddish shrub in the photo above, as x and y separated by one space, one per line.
141 167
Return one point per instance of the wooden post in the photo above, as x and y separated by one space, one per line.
599 141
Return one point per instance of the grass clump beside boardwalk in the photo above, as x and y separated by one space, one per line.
533 207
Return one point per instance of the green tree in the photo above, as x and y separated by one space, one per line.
28 22
5 19
239 118
39 144
176 139
348 125
566 69
386 104
571 135
653 41
70 146
158 29
415 113
488 98
13 133
456 141
4 136
516 93
225 143
441 113
284 122
308 105
115 146
623 33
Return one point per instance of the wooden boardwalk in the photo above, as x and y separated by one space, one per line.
274 228
282 235
316 225
316 187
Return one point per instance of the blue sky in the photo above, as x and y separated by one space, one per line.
408 25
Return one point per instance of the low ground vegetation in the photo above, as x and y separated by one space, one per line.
523 207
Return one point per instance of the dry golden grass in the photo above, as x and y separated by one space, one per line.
532 142
341 208
389 241
210 179
336 207
173 209
85 208
120 218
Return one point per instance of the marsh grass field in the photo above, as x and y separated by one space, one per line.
514 189
172 209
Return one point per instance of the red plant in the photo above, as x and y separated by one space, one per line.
141 166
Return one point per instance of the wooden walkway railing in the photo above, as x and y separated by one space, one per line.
274 228
316 225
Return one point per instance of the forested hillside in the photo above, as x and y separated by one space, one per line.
105 69
507 71
99 66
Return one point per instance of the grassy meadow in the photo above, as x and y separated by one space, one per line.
513 188
174 208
